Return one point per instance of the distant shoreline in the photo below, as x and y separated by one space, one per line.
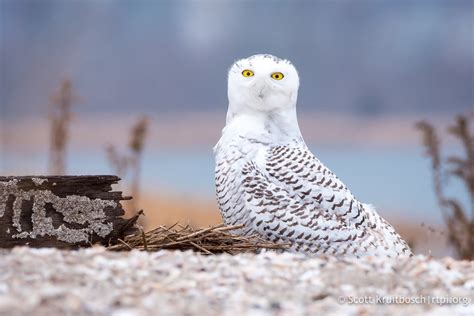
31 134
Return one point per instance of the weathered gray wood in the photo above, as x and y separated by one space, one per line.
60 211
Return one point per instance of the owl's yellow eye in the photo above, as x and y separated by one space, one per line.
247 73
277 75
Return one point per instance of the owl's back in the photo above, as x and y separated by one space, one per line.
284 194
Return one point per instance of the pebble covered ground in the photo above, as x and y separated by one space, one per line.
99 282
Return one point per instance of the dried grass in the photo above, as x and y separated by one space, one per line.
212 240
459 219
121 163
60 115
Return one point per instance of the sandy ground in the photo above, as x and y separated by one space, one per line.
98 282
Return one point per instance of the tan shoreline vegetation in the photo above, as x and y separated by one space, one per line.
193 130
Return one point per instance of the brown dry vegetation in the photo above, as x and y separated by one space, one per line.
210 240
60 115
121 163
459 219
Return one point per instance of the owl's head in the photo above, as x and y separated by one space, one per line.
264 83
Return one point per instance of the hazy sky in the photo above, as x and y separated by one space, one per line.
365 57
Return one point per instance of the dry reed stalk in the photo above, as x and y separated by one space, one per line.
458 219
118 162
121 163
136 145
60 115
212 240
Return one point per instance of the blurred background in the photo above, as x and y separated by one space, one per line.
369 70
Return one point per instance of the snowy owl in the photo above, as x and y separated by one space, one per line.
268 180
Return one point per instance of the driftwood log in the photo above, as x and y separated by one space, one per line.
61 211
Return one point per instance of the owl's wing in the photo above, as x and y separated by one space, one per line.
293 197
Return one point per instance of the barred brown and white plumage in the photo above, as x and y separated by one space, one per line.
268 180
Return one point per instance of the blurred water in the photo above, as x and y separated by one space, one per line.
394 180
